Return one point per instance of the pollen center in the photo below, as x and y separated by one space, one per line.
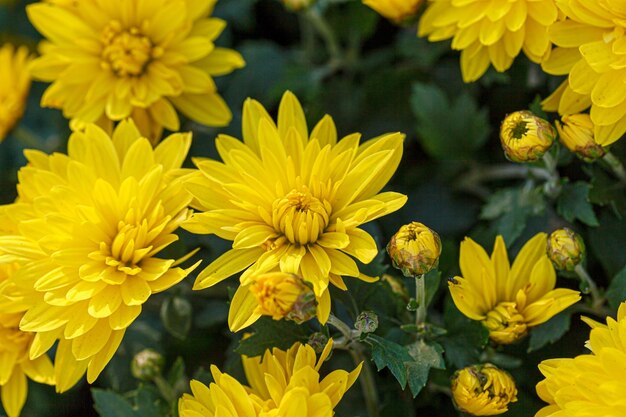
300 216
127 51
506 325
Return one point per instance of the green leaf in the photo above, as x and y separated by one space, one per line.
176 313
465 339
448 129
433 279
607 242
110 404
550 331
176 372
573 203
388 354
426 355
269 333
616 293
149 402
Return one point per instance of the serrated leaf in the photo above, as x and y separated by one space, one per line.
110 404
448 129
388 354
573 203
176 313
616 293
270 333
426 355
550 331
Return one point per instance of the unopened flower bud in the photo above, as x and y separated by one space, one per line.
284 295
566 249
297 5
396 10
576 133
147 365
317 341
483 390
414 249
366 322
525 137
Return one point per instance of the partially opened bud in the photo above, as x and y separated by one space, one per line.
284 295
396 10
483 390
576 133
525 137
566 249
414 249
147 365
366 322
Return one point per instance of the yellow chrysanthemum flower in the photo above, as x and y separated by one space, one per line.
15 363
490 32
508 299
396 10
592 384
91 224
483 390
292 201
282 384
14 85
590 49
145 59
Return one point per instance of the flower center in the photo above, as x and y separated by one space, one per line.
506 325
300 216
127 51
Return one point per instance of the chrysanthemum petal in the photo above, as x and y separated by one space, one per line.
226 265
14 394
242 309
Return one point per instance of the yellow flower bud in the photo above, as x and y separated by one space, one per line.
576 133
566 249
525 137
506 325
483 390
284 295
297 5
414 249
396 10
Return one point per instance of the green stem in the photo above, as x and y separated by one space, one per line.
616 166
552 187
420 296
325 31
596 299
368 383
343 328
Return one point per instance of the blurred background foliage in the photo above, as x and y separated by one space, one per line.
372 77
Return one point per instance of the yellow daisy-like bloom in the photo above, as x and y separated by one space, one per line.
282 384
508 299
15 364
14 85
483 390
396 10
283 295
591 50
591 384
145 59
490 32
292 201
90 225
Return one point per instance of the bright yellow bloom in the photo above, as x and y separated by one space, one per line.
282 384
483 390
508 299
490 32
15 364
396 10
590 49
283 295
414 249
14 85
145 59
592 384
525 137
292 201
91 224
577 134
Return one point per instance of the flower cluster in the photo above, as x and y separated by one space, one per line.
281 383
508 299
